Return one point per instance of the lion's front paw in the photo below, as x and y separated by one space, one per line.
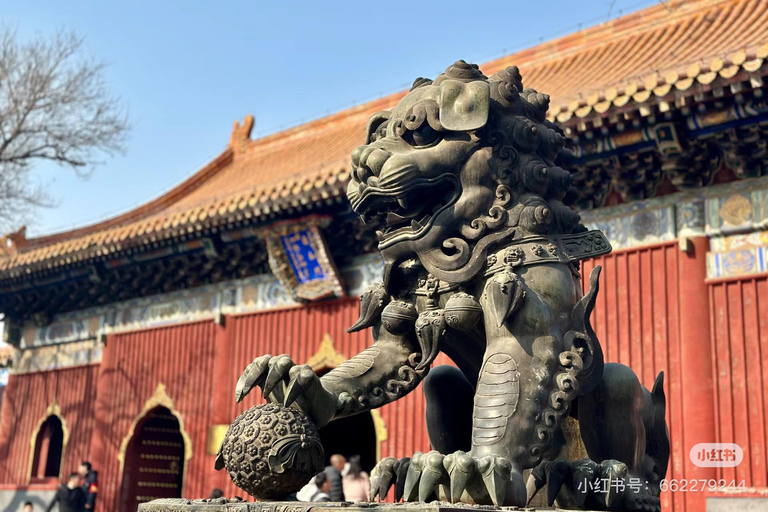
284 382
457 477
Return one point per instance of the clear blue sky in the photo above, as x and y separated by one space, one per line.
188 69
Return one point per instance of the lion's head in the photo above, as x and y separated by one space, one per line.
460 165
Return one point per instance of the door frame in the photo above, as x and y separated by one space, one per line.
159 398
52 410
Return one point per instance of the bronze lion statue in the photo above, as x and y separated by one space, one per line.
464 184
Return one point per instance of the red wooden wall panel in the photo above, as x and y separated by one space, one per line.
739 313
25 402
636 319
181 357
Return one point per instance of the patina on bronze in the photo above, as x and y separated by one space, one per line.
462 181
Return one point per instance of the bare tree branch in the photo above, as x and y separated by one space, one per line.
54 106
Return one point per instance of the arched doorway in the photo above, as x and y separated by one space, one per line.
48 449
154 460
354 435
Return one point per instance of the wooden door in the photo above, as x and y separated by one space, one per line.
154 460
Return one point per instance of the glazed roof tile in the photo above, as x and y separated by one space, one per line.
662 50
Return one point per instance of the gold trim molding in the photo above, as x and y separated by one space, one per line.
380 428
216 435
159 398
52 410
326 357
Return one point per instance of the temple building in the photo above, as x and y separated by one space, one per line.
129 334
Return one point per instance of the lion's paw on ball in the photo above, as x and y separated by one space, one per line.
271 451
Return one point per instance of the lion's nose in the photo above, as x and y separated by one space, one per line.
376 160
368 161
356 155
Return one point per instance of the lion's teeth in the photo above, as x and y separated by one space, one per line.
379 233
415 225
402 202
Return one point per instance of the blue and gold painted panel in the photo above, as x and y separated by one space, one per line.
300 259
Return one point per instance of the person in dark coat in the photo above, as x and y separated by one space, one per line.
70 496
90 484
334 475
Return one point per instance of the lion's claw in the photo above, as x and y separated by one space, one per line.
284 382
412 476
615 474
433 473
401 471
253 375
583 472
496 472
455 478
301 380
278 371
386 476
460 467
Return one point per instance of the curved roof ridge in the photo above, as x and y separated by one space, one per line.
144 210
632 58
627 25
320 123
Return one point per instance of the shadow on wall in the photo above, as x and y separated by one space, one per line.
13 500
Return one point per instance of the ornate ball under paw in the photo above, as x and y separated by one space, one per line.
271 451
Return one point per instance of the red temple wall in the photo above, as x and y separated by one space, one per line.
25 404
637 321
739 344
181 357
642 317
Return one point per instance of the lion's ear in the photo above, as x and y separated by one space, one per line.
373 124
464 106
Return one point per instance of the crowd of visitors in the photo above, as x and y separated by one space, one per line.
77 494
343 480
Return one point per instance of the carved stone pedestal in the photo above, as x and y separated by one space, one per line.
224 505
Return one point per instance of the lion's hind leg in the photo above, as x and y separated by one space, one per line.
624 432
611 418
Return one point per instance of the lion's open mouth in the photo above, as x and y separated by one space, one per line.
407 213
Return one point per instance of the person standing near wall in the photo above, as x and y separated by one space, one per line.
70 496
323 484
355 481
334 472
90 484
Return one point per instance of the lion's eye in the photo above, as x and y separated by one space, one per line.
424 135
381 131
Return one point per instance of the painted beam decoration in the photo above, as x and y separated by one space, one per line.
300 259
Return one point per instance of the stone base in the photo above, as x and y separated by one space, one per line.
235 505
